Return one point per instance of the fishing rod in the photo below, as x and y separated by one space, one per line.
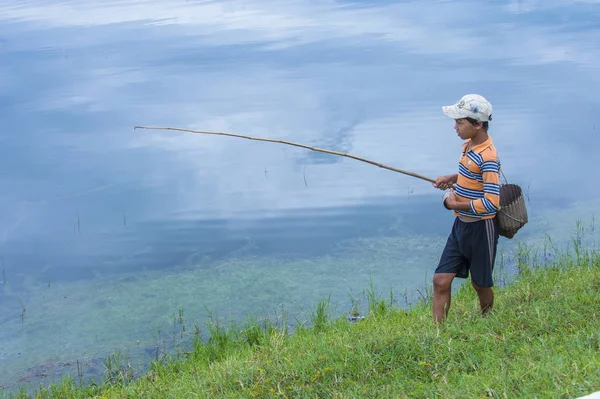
512 212
343 154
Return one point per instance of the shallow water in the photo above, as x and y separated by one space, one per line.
108 232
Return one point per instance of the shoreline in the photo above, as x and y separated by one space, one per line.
331 356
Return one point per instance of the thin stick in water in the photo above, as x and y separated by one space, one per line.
23 311
304 175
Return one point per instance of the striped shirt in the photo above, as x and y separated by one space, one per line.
479 181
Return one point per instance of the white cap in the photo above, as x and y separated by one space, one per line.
470 106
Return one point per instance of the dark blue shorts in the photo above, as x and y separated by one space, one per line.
471 246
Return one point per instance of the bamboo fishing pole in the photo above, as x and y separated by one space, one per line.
293 144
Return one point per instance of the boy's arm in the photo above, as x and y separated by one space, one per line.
453 204
490 172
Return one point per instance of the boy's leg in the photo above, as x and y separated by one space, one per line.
452 264
442 287
486 297
483 259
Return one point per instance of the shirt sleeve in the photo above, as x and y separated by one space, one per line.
490 172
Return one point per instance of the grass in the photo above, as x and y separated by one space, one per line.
541 340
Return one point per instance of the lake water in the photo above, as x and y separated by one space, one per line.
108 233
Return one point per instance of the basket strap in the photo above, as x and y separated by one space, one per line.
510 217
505 182
502 173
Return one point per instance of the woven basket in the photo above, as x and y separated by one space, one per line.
512 214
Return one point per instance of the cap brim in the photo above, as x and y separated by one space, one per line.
452 112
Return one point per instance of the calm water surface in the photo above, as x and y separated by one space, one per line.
108 232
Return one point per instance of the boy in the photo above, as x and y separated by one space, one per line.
474 197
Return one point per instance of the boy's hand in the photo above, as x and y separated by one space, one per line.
444 182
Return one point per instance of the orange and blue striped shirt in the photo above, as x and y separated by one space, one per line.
479 180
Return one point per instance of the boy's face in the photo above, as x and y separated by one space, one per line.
465 129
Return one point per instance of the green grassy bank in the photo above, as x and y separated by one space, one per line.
542 340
